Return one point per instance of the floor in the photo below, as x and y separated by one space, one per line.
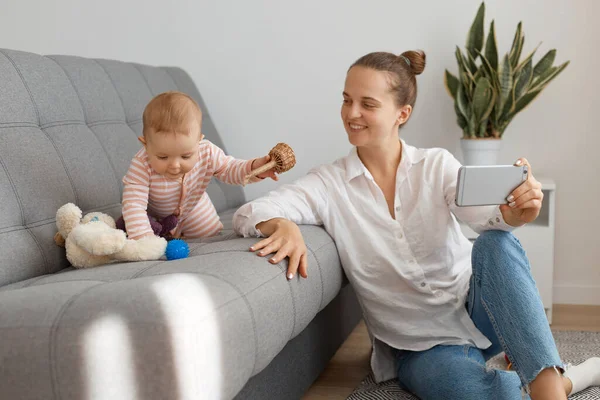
350 364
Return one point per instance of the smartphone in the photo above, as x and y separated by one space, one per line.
487 184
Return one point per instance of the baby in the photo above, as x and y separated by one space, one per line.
169 175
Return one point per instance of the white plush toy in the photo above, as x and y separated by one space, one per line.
94 240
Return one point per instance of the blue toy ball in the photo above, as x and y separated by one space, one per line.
177 249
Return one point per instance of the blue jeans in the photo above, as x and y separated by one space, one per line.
504 304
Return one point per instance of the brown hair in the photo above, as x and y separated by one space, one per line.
171 112
402 71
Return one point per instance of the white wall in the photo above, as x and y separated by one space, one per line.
274 70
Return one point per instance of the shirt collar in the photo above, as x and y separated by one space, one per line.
354 166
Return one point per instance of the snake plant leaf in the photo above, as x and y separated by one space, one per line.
462 102
506 81
468 87
543 76
475 36
460 118
482 98
470 61
517 37
514 62
451 82
526 59
492 102
491 47
482 128
508 107
523 79
463 65
490 71
472 125
548 76
544 63
517 45
459 60
524 101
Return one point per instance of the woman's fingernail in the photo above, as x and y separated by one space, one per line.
272 260
518 162
510 198
251 248
290 275
512 204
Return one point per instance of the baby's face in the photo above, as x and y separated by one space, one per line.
173 154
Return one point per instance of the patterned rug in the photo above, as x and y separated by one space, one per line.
574 348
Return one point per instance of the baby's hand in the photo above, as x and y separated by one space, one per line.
259 162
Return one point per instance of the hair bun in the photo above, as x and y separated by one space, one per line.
415 59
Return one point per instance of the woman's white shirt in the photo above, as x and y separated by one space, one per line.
411 273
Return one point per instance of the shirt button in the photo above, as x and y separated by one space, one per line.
423 284
491 223
497 219
439 293
398 208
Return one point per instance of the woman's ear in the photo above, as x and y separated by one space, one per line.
404 114
142 140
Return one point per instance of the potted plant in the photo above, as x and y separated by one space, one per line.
489 92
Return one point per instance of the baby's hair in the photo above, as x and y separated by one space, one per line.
402 71
171 112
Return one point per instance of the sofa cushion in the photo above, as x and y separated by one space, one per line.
198 327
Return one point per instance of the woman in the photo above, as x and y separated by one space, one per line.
436 306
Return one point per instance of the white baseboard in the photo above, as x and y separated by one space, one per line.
576 294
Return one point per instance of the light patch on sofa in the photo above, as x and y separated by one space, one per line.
109 360
190 315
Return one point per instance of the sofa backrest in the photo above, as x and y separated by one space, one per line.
68 130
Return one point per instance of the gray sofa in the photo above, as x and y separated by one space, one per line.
220 324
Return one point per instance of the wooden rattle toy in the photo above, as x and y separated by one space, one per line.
282 160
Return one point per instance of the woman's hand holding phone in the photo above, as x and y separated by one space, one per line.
525 202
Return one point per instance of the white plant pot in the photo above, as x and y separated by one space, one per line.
480 151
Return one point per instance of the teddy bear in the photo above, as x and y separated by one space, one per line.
93 239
